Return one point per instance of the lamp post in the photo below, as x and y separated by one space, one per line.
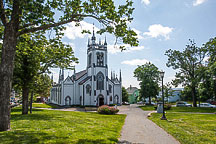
162 76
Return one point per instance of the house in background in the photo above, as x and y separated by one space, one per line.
133 93
175 95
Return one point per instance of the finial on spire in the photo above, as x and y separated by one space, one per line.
120 78
105 43
100 41
93 36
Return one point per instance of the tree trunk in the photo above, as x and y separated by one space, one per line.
6 75
194 96
32 94
25 94
149 99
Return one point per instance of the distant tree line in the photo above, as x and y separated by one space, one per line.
195 70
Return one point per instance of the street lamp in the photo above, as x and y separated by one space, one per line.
162 76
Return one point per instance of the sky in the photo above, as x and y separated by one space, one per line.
160 25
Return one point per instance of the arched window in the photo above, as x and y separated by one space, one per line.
110 88
89 59
100 59
88 89
110 98
100 81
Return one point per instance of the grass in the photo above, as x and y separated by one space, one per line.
192 109
43 105
189 128
182 109
147 107
52 126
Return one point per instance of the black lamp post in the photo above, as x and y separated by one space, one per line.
162 76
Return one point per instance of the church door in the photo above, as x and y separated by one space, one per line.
100 100
116 101
67 101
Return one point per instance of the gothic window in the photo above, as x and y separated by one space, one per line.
110 88
89 59
100 81
100 59
88 89
110 98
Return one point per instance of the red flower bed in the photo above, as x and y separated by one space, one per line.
104 109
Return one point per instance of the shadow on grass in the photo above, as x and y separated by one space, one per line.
96 141
20 110
20 136
31 117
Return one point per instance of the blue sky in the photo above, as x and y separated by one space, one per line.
160 24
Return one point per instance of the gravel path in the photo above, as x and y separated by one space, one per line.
139 129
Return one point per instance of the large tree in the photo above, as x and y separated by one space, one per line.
34 56
188 64
148 75
20 17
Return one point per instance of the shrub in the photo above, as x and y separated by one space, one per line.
107 110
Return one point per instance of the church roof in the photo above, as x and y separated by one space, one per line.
84 80
79 75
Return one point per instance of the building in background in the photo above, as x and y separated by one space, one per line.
133 93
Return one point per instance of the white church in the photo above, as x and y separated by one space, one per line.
92 86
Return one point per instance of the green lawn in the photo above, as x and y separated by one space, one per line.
189 128
182 109
42 105
52 126
147 108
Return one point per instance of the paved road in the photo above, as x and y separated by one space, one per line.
139 129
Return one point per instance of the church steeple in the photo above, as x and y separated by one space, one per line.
105 43
93 36
120 78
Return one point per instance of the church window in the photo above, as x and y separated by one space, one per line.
110 88
88 89
89 59
100 59
100 81
110 98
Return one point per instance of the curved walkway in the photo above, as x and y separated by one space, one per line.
139 129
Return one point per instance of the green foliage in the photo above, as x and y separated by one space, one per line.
107 110
189 65
38 15
53 126
188 128
124 95
148 75
41 105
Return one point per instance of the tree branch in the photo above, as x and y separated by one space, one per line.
46 26
2 12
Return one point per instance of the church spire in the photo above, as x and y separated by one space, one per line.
93 36
120 78
111 75
62 74
59 76
105 43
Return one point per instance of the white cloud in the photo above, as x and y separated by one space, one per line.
1 41
135 62
146 2
198 2
73 32
113 49
157 30
138 33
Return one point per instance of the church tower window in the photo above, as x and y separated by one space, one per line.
89 59
100 59
110 88
100 81
88 89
